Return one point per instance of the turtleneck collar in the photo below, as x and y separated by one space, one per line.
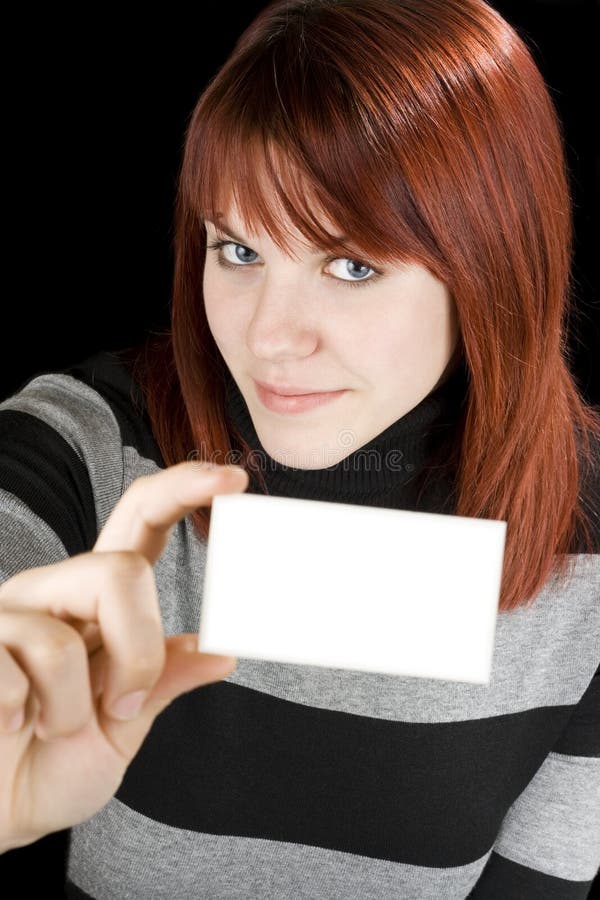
382 472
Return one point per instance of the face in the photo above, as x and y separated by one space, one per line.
382 335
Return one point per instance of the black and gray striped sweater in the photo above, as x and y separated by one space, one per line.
287 781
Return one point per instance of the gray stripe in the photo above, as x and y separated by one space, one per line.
122 855
554 825
25 539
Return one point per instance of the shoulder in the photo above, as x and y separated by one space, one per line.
92 402
108 374
63 434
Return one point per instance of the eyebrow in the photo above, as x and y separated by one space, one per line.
224 227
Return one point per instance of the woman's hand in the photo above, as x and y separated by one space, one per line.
81 638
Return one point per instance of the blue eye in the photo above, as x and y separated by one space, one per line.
218 246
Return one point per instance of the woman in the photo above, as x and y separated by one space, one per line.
409 148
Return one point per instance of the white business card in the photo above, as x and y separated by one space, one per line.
352 587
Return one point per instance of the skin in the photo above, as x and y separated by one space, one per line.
82 633
300 321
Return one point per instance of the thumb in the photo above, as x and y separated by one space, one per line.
185 668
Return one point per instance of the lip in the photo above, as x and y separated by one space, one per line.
293 403
289 390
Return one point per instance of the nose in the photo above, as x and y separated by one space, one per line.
281 326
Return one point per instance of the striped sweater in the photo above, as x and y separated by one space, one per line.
287 781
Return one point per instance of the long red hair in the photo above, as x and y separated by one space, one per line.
426 132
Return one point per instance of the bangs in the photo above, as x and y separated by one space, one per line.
315 170
270 193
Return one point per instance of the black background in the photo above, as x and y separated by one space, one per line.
96 112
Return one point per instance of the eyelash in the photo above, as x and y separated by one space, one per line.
218 245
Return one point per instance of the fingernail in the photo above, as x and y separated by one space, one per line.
129 705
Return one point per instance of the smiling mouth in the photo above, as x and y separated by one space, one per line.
294 403
291 390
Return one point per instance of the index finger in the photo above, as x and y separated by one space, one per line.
145 515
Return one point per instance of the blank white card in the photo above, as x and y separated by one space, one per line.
352 587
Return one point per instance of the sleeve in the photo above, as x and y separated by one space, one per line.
548 847
61 471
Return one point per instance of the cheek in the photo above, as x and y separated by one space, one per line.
430 338
389 338
415 341
222 313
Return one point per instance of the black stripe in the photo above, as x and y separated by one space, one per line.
503 878
583 738
74 892
41 468
246 763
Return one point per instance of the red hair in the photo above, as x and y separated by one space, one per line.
425 131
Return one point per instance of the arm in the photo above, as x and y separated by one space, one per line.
548 847
61 470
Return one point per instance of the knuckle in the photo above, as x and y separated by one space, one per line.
145 668
14 696
138 486
6 588
128 564
57 651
